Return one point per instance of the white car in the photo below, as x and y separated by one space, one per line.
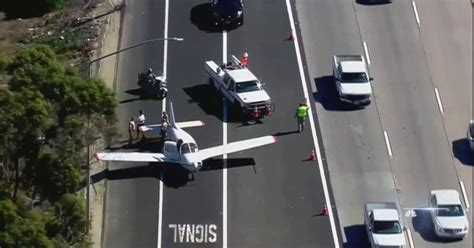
470 134
448 214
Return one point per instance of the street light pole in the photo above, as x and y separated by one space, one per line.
135 45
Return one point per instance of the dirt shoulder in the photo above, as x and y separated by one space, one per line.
107 42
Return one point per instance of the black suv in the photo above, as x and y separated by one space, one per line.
228 12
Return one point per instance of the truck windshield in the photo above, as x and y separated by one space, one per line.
387 227
247 86
450 210
354 77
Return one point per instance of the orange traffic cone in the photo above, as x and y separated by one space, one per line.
312 157
255 113
325 211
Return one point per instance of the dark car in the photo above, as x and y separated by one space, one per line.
228 12
379 1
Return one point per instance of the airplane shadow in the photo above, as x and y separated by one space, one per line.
206 96
172 175
150 144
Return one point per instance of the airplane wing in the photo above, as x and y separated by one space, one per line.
234 147
183 124
186 124
130 156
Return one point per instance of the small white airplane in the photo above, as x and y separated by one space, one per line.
182 148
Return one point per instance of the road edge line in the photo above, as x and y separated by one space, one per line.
313 129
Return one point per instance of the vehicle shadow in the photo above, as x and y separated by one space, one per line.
326 94
462 152
423 224
367 2
141 95
356 236
209 100
204 19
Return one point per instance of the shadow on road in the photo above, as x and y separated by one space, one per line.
173 175
462 152
285 133
356 237
140 95
203 18
209 100
326 94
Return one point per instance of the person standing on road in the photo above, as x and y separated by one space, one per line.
245 60
301 113
164 125
141 122
132 128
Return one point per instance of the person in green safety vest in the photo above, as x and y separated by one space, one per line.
301 113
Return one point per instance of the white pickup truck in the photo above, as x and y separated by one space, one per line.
240 87
384 225
352 79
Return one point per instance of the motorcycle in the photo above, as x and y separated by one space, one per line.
152 85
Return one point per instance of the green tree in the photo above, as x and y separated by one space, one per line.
21 230
47 117
69 221
27 116
55 175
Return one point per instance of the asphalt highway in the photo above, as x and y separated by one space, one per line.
406 65
274 198
278 203
132 190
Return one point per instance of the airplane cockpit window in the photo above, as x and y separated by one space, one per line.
188 147
193 147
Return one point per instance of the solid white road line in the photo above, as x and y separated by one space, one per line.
313 129
438 98
387 143
464 195
416 13
224 141
410 238
366 50
163 109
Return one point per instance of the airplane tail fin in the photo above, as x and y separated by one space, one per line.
171 116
